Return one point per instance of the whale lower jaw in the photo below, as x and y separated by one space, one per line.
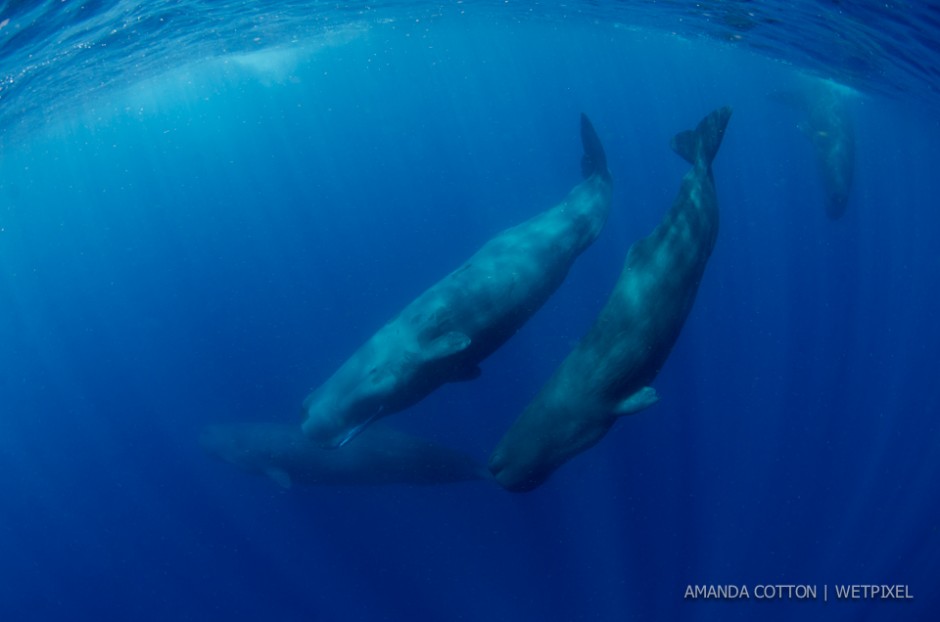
343 437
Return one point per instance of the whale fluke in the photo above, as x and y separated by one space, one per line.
594 159
701 144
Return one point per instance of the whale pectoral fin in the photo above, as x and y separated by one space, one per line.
633 404
446 345
280 477
467 373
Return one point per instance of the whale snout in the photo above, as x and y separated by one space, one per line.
323 432
332 433
511 475
332 424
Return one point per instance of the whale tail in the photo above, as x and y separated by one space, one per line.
701 144
594 160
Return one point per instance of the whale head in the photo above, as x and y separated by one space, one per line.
355 396
230 443
391 371
516 473
548 434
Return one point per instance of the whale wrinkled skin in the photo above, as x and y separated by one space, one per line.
444 334
608 373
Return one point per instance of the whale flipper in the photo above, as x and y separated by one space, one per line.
644 398
446 345
701 144
594 159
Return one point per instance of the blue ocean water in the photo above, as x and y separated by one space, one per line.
206 207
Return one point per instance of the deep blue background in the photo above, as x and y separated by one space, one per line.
209 245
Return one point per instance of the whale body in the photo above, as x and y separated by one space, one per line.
381 455
444 334
830 128
825 118
608 373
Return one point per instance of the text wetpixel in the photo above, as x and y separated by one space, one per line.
872 592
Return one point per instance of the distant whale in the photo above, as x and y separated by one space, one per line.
827 122
379 456
444 334
608 373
